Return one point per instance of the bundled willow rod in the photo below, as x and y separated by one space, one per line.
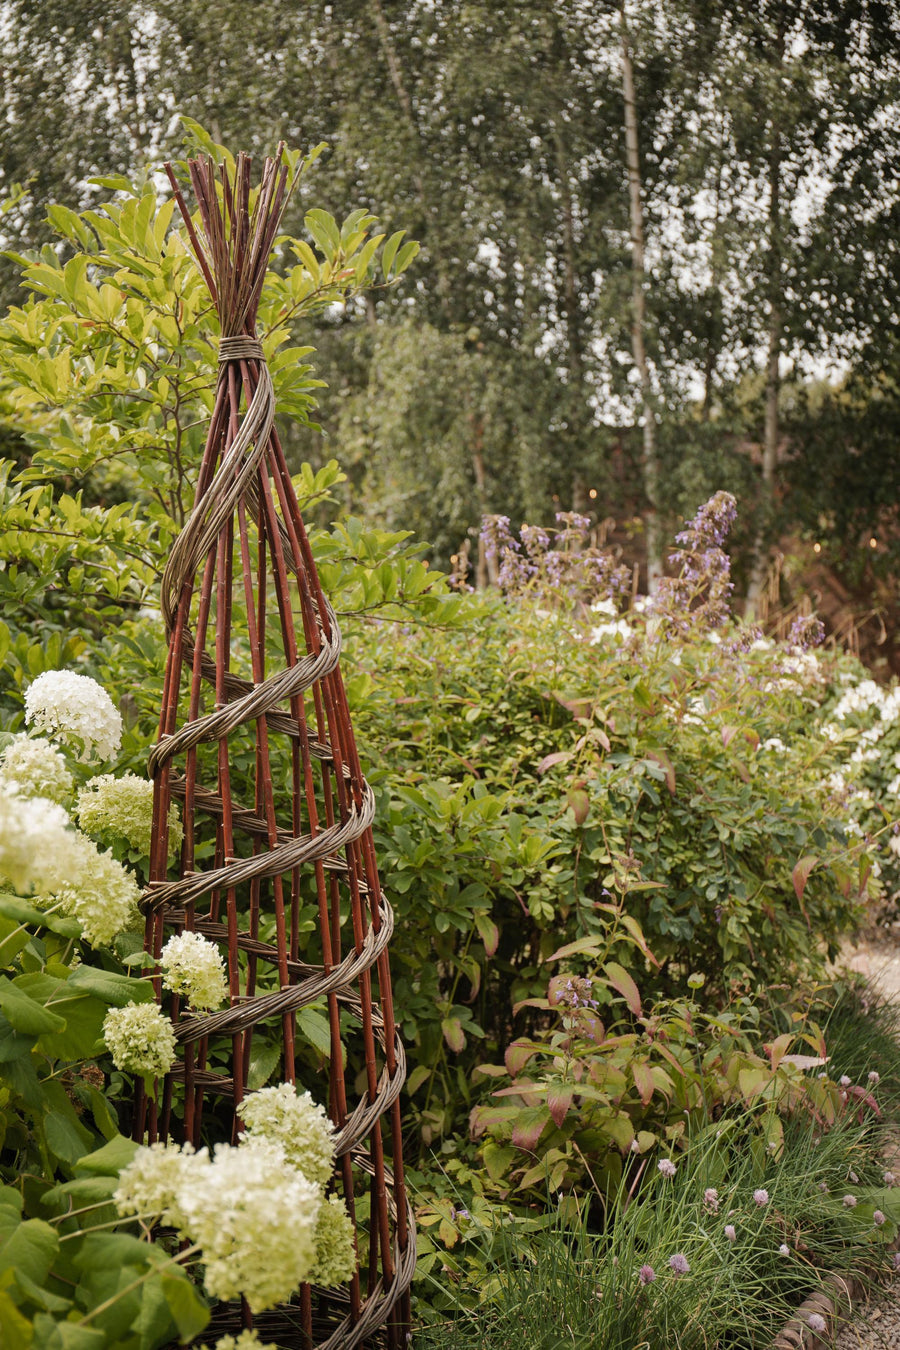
255 742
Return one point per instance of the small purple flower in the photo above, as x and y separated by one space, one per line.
730 1232
823 1186
844 1081
784 1250
849 1202
816 1322
854 1178
666 1167
711 1199
878 1218
646 1274
679 1263
761 1198
635 1146
888 1178
806 631
874 1077
571 520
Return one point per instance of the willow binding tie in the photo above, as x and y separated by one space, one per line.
255 875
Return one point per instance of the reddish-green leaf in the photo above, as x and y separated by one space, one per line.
529 1126
801 873
559 1099
558 757
517 1056
643 1079
580 804
488 932
622 982
453 1033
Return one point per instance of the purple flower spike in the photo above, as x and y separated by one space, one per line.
646 1274
806 631
679 1263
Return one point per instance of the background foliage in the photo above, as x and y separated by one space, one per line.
504 378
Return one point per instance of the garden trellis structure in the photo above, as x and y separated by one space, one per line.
278 862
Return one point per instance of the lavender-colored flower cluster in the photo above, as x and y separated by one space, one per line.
712 523
697 597
806 631
553 563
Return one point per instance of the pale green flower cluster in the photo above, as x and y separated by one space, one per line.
35 843
248 1340
76 710
123 808
95 888
335 1245
252 1214
39 852
30 767
153 1180
140 1039
257 1211
192 966
298 1124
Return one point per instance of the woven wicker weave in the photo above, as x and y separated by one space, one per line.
285 879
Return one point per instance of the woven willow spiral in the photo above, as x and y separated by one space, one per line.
278 863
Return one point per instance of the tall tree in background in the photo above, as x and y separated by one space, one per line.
639 309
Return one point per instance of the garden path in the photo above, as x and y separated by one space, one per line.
877 1325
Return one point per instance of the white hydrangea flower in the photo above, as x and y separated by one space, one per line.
152 1182
76 710
254 1216
123 807
95 888
297 1123
140 1038
35 843
335 1247
618 628
31 767
248 1340
193 967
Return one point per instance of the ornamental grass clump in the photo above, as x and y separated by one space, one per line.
656 1270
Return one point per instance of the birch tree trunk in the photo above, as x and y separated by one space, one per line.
760 561
650 460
